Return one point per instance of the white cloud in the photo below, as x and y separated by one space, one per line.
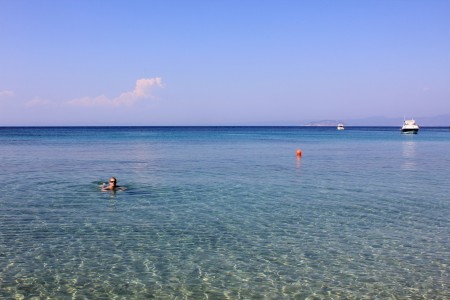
6 94
141 91
37 102
91 101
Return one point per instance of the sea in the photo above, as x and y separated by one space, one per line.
224 213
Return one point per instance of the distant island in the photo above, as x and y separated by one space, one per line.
323 123
440 121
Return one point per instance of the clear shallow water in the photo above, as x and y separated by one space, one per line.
224 213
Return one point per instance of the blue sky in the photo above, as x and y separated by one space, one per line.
221 62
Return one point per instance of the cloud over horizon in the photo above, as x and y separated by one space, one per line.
141 91
6 94
37 102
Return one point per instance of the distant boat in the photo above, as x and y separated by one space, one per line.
340 126
409 126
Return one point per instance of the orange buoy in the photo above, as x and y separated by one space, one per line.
299 153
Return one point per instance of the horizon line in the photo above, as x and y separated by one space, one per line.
331 126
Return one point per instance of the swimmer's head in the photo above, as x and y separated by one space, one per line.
113 181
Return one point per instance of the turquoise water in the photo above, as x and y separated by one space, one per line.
224 213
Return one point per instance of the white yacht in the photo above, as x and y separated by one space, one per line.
340 126
410 126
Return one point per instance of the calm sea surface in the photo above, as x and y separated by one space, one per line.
224 213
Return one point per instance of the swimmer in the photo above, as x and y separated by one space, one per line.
112 186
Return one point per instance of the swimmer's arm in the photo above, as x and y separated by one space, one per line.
118 188
105 188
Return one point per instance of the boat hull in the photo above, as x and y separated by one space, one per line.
408 130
